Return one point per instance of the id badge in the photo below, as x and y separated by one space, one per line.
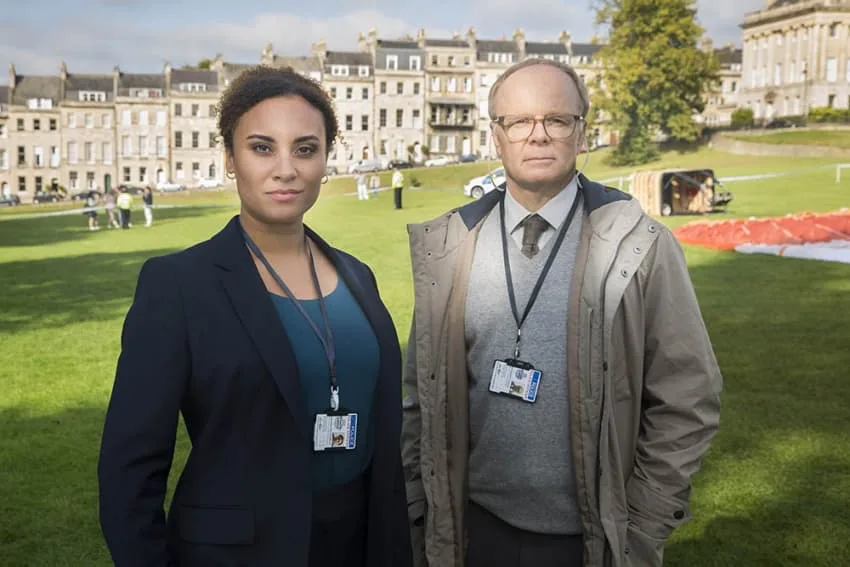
515 378
335 431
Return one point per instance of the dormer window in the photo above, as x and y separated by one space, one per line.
363 70
92 96
39 103
339 70
193 87
392 62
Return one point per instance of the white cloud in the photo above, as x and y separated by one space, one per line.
90 47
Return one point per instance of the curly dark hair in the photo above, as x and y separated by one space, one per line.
256 84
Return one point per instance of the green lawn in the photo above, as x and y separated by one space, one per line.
836 138
774 490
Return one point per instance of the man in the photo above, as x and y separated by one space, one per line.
398 185
125 205
561 386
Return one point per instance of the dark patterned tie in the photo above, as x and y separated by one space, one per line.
534 225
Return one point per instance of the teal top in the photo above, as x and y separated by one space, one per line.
357 367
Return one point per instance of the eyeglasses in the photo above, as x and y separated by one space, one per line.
519 128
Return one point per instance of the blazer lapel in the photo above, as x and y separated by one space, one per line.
255 310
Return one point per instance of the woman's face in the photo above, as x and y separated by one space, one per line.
279 159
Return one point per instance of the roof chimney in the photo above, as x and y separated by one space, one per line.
267 56
320 50
472 38
519 39
13 78
420 38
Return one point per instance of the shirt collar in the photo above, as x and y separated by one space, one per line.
555 211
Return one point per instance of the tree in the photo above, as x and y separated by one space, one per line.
205 64
655 75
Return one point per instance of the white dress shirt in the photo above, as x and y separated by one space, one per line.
554 212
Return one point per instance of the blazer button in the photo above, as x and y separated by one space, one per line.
624 272
651 228
433 284
638 250
433 376
679 514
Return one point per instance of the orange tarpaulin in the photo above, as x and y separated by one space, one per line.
800 228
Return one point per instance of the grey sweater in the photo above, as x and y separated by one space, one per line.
520 464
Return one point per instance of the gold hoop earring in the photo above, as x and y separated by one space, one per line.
230 175
325 179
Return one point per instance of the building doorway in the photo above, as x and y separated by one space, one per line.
107 183
160 176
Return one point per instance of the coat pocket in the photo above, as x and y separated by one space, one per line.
216 526
642 550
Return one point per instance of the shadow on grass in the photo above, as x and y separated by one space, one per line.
48 487
15 231
50 293
774 488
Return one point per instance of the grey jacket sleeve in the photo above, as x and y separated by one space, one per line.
681 405
411 440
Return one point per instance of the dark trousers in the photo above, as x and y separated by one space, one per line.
124 215
397 197
493 543
338 533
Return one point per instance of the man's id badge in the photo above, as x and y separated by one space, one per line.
335 431
515 378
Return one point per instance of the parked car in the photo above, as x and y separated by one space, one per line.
477 187
468 158
46 197
437 161
365 166
166 187
131 189
209 183
10 201
399 163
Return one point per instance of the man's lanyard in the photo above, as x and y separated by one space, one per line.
327 338
551 260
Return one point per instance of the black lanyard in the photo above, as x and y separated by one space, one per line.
327 338
551 260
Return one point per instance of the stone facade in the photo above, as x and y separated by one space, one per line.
348 77
196 153
450 104
5 147
399 98
722 101
87 132
796 57
142 132
33 130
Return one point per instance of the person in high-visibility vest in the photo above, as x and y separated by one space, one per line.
125 203
398 185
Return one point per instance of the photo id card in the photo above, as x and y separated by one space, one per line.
515 378
335 431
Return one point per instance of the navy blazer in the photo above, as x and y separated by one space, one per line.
202 338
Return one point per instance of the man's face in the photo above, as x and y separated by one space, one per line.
546 158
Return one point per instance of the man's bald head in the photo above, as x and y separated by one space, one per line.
584 98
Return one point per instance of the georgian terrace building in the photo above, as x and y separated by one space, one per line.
796 56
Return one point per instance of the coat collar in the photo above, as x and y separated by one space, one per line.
595 194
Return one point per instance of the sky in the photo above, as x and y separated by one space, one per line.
95 36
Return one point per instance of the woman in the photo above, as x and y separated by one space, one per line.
284 362
147 200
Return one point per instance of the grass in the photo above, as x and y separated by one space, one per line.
834 138
774 489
